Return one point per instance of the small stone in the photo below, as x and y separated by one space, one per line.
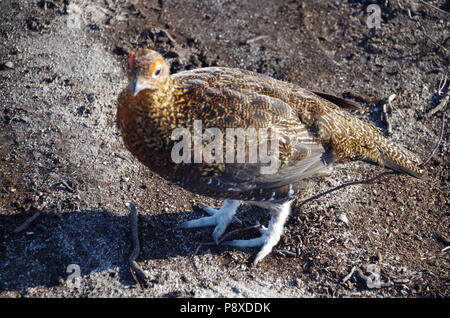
343 218
235 290
9 65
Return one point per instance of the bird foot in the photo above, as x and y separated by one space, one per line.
269 237
220 218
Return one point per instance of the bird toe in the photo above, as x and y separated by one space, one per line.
209 210
205 221
259 241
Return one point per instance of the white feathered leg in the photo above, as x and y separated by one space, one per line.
270 236
219 218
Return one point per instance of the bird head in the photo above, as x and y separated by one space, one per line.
147 70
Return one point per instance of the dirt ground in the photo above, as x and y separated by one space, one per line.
62 65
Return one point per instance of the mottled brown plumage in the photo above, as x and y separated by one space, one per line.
315 129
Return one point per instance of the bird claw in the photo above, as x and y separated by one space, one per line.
263 230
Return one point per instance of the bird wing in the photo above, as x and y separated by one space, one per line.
230 98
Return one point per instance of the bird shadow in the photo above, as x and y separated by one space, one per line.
91 241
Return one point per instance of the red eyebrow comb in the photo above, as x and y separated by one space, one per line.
131 59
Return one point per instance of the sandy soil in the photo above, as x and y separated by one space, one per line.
62 65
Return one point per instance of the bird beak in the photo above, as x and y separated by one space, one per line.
139 84
135 87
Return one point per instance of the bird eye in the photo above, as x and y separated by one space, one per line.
157 72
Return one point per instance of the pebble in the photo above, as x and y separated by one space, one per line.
343 218
9 65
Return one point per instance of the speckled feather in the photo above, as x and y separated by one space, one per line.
315 132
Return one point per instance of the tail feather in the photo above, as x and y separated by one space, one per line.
396 158
341 102
352 139
349 138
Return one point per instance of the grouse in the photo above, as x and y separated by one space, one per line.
166 121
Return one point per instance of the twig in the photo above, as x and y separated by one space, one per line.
346 278
239 230
433 6
429 37
286 253
410 15
27 222
443 239
441 106
64 183
373 281
434 41
197 249
390 99
226 236
68 188
121 157
385 119
166 33
436 146
442 84
367 181
385 115
135 269
250 41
